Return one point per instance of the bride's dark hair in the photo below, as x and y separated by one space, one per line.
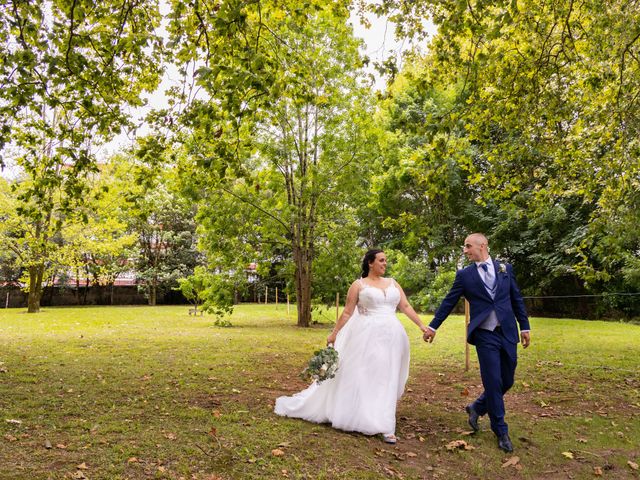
369 257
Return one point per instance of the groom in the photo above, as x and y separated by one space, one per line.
496 303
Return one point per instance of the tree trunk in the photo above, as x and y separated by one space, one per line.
36 275
153 289
303 260
77 285
85 292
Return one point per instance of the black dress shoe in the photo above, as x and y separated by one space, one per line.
473 418
504 442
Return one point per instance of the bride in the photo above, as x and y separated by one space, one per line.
373 350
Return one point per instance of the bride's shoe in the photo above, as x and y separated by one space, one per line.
389 438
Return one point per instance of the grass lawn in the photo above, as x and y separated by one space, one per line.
150 392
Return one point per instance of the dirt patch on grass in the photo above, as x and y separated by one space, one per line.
431 415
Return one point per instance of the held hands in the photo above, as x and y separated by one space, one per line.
331 339
428 335
525 338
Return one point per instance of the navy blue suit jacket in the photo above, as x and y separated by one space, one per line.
507 302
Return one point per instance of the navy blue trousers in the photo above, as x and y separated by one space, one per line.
498 359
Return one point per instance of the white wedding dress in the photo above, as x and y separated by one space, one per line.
373 367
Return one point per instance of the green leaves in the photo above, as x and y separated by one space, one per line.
540 119
67 73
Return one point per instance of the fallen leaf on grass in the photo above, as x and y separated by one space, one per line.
47 445
276 452
213 432
393 472
61 446
82 466
633 465
597 471
459 444
13 421
581 440
235 390
78 475
465 392
511 462
162 469
10 438
170 436
568 454
216 413
411 454
132 460
284 444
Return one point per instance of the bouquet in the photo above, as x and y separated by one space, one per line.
322 366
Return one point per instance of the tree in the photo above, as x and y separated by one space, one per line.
160 217
546 101
67 71
10 273
101 249
280 139
209 290
424 201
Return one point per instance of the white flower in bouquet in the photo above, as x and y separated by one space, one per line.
322 366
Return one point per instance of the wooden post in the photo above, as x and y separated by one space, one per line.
466 331
6 304
337 306
276 298
287 304
266 294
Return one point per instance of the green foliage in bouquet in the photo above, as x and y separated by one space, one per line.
322 366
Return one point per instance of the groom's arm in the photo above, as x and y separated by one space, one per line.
448 303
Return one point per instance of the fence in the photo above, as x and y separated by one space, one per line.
93 295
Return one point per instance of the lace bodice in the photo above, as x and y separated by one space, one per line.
374 300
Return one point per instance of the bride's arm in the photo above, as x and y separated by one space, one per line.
349 308
405 307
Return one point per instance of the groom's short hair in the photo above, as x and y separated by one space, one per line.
480 237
